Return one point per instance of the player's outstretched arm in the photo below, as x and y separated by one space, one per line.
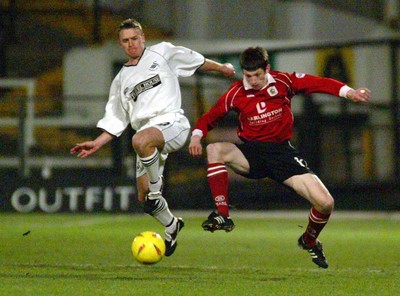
359 95
87 148
195 148
227 69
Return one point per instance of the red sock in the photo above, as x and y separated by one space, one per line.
217 177
316 222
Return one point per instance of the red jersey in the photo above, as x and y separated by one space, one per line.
265 115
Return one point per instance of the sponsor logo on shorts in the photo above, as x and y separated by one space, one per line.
301 162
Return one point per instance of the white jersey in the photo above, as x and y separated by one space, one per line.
149 91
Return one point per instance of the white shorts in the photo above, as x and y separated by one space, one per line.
175 131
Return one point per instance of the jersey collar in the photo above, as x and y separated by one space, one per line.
129 65
268 78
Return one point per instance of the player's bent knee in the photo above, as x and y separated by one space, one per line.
211 153
137 141
331 204
214 152
326 206
212 149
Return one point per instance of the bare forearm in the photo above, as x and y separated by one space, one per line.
103 139
227 69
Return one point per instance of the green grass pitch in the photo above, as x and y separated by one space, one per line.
89 254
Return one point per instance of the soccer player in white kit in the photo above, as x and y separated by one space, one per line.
146 94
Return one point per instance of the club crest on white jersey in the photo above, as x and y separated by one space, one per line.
154 66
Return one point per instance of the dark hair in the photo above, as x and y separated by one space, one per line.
254 58
130 24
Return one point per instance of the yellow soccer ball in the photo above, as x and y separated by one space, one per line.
148 247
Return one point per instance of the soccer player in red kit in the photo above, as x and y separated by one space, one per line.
262 101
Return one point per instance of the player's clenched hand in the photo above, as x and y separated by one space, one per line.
359 95
84 149
195 148
228 70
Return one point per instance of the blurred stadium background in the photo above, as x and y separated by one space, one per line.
57 60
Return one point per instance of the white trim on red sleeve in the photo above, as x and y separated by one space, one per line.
343 91
197 132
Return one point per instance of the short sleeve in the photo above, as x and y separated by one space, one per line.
182 61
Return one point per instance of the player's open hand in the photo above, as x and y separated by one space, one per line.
195 148
84 149
359 95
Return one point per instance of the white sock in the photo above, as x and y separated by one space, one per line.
165 217
155 186
171 228
152 164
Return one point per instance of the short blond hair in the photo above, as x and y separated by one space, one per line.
130 24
